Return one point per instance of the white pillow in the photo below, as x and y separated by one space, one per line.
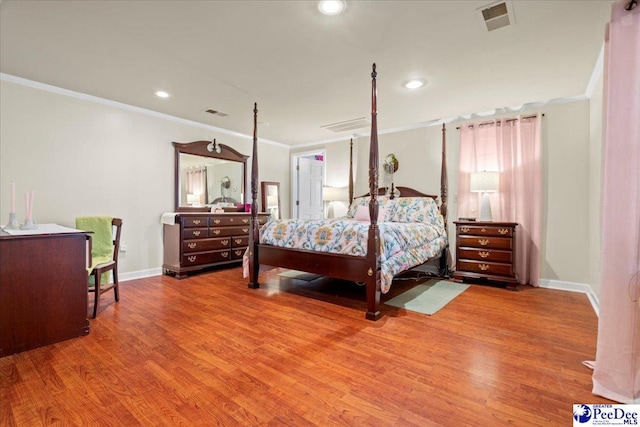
362 214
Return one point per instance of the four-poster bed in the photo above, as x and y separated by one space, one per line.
397 234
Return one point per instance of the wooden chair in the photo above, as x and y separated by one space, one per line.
102 265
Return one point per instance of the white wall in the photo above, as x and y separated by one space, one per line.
570 157
86 158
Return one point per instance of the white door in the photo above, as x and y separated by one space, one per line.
310 174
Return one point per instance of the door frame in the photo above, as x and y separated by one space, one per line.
294 175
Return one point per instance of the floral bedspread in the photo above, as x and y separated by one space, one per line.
402 244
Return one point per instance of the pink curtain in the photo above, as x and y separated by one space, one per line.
511 147
197 184
617 366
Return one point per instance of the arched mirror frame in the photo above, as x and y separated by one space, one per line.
265 186
206 149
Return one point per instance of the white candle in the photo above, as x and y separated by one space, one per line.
13 197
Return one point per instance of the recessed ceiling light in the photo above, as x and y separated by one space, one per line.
162 94
331 7
414 84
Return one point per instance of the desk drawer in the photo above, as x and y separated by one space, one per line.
201 245
485 242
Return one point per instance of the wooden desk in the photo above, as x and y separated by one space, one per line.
43 290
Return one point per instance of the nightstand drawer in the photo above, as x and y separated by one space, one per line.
486 255
483 242
487 268
479 230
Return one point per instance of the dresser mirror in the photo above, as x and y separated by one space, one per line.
270 192
208 174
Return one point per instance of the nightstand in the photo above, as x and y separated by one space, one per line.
485 252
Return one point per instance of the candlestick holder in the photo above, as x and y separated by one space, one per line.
29 224
13 222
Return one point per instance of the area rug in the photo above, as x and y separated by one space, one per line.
428 297
301 275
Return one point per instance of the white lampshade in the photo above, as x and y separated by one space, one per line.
484 182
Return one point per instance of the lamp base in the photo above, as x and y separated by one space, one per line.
485 208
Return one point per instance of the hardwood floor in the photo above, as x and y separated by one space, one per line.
207 351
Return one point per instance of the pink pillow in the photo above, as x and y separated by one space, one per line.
362 214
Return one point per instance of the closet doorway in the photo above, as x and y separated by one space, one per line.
307 182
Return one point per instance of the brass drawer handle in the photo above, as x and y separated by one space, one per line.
192 245
464 229
483 254
245 230
216 232
484 230
224 254
196 233
225 242
196 221
245 221
238 253
238 241
230 219
483 242
216 221
192 258
503 230
484 267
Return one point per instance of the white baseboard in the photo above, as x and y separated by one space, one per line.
573 287
123 277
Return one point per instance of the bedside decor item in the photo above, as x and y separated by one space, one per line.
29 223
13 222
484 182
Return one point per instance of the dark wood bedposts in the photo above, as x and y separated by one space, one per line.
350 171
444 258
373 247
254 236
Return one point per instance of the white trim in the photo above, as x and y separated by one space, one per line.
110 103
573 287
140 274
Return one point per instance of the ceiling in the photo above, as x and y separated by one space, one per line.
304 69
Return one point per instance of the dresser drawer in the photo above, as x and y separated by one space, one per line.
479 230
201 245
228 231
486 268
194 221
239 241
485 255
228 220
237 253
485 242
195 233
198 258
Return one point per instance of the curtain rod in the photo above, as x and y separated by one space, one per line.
507 120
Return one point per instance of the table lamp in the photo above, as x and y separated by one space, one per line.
484 182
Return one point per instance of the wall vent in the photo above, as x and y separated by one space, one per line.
216 113
496 15
354 124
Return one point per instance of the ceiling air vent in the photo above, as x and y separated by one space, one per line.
496 15
216 113
360 123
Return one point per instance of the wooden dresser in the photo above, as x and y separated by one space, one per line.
43 290
485 251
196 241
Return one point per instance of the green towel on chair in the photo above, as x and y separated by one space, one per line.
101 241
